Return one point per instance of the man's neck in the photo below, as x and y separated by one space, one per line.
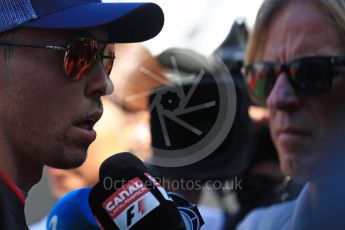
21 170
314 194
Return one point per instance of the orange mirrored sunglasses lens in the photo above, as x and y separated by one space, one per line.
80 56
109 57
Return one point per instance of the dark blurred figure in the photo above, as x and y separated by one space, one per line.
232 49
227 161
230 158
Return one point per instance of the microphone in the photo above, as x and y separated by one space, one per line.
128 197
72 211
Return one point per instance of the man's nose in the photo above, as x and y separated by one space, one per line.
283 96
99 83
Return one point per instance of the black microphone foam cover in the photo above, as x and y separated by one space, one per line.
118 161
128 197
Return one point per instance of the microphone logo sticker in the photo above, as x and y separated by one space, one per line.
130 204
53 223
157 185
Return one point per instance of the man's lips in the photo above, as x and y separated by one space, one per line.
292 135
84 127
293 131
291 141
89 121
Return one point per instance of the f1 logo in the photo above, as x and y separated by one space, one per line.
135 212
130 215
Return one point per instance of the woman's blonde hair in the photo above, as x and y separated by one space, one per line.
333 9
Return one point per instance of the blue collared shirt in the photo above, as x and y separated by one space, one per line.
284 216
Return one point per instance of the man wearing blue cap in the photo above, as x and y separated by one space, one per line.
55 58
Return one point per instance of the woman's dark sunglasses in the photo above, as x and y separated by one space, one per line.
307 75
81 54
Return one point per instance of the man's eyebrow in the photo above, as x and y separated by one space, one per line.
80 33
89 34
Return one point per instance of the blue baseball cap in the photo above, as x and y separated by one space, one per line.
125 22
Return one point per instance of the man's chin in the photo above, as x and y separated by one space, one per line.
68 162
298 172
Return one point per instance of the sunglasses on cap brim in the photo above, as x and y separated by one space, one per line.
307 75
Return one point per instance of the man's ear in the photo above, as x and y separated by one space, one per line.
4 70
